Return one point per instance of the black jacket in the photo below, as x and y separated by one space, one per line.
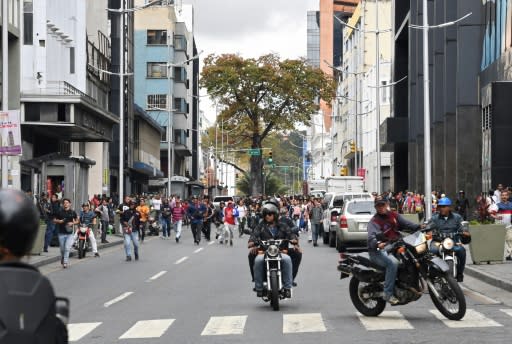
262 232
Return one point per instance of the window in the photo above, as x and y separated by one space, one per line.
384 91
180 43
157 37
28 23
156 101
180 74
157 70
72 60
180 105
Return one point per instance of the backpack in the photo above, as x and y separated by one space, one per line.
29 307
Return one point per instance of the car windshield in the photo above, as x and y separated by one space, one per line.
361 208
338 202
223 199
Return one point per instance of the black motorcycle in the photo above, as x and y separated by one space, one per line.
273 290
418 270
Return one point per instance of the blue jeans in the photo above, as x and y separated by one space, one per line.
286 271
65 242
128 238
460 252
50 228
390 263
166 227
315 228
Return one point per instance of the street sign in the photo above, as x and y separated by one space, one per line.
254 152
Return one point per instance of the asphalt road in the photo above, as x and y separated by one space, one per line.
183 293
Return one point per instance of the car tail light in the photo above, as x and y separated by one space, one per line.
343 222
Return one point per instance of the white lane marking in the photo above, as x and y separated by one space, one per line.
117 299
179 261
300 323
211 243
390 320
78 331
148 329
480 297
158 275
218 326
471 319
199 250
507 311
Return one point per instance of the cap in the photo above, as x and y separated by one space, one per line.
380 201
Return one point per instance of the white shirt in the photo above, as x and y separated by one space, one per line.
157 203
241 211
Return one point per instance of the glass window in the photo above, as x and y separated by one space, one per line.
28 23
180 43
156 101
72 60
180 74
361 208
156 70
157 37
180 105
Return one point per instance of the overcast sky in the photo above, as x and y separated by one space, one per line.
251 28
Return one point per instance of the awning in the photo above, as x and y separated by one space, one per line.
146 169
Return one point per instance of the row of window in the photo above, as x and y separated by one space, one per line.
159 37
159 102
159 70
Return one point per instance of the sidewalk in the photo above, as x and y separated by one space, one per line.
53 254
498 275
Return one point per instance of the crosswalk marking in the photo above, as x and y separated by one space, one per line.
507 311
148 329
390 320
78 331
471 319
300 323
117 299
225 326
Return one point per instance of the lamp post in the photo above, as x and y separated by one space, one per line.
5 82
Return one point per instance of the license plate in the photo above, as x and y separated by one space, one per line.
363 227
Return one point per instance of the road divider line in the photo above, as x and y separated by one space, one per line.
117 299
199 250
179 261
158 275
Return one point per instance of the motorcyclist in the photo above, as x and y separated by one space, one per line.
88 218
19 224
446 221
271 228
295 254
384 228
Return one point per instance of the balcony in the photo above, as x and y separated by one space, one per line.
61 111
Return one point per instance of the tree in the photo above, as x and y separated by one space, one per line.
273 185
263 95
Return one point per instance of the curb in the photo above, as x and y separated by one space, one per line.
488 278
50 260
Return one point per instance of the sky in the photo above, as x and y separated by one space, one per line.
250 28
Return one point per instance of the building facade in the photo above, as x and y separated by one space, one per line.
455 128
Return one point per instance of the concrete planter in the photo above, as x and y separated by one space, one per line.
39 242
411 217
487 243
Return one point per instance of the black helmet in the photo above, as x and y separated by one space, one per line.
19 222
270 207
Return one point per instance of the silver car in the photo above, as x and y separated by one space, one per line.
353 224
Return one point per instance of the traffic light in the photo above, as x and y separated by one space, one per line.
344 171
270 157
352 147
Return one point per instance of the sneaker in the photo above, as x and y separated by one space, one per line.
104 241
460 278
177 240
393 300
136 256
259 293
294 284
61 260
221 242
45 250
508 258
288 293
128 258
97 254
230 242
65 265
315 244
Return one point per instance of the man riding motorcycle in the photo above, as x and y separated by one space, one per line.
382 228
270 228
446 221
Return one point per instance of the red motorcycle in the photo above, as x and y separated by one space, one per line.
83 240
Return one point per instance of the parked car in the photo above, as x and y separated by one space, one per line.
333 203
353 222
217 199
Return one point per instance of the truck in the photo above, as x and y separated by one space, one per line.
342 184
316 187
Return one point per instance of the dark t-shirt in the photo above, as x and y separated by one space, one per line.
67 216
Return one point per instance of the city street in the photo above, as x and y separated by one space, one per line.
202 294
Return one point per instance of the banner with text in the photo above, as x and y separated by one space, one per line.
10 133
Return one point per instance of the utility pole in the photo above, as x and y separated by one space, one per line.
377 95
5 82
426 117
121 104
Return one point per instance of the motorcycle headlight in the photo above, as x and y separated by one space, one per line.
448 244
273 250
83 229
421 248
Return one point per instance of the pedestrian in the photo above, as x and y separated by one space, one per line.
45 211
177 213
130 222
195 212
103 213
207 222
88 218
230 215
462 205
242 217
315 218
502 213
66 218
218 220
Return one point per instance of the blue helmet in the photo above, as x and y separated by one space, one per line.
445 201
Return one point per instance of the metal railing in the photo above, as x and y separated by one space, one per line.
60 88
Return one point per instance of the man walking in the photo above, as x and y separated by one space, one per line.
462 205
502 212
130 221
66 219
102 210
143 211
177 213
196 212
315 217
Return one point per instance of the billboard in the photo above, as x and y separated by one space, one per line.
10 133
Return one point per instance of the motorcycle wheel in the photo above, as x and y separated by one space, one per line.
81 249
274 290
451 267
369 308
451 303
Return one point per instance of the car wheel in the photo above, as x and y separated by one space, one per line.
339 245
332 239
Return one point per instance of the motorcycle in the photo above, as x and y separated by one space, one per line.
418 269
273 287
445 242
83 240
154 225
